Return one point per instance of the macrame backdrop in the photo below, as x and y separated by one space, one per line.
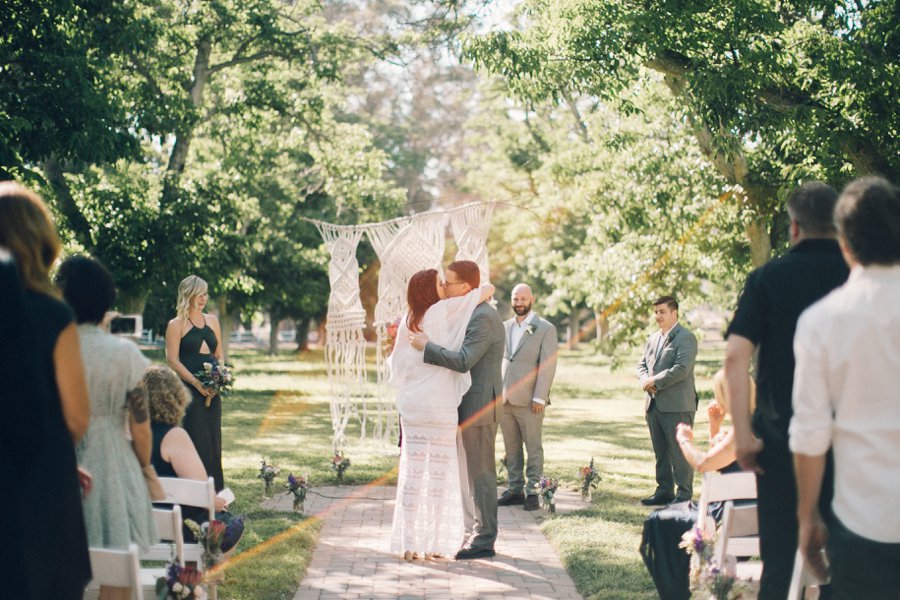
404 246
345 346
471 224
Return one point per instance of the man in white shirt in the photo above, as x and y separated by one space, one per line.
847 348
529 365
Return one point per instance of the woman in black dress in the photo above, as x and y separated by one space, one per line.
192 339
45 401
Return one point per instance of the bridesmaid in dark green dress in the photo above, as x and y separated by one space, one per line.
192 339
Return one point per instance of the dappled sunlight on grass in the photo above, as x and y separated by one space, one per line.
599 413
280 412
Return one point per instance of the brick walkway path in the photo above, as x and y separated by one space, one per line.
353 561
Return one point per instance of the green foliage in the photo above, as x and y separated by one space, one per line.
617 210
815 79
58 93
211 136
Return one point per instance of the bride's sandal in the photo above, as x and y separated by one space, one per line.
410 556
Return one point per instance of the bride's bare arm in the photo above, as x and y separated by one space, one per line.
487 292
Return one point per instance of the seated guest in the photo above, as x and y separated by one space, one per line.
669 564
174 454
117 512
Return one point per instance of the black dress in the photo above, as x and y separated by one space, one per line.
165 469
669 565
44 553
203 424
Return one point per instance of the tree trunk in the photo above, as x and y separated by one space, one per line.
274 322
178 157
226 323
572 329
760 243
302 338
133 303
66 203
732 165
602 323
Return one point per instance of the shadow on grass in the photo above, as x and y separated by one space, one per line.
597 546
628 434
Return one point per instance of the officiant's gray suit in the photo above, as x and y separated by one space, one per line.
528 371
481 355
670 362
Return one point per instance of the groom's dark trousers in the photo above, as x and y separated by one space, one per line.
481 355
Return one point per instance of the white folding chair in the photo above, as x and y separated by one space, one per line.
718 487
115 568
738 537
804 583
739 534
187 492
168 525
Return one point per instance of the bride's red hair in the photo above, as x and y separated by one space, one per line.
421 295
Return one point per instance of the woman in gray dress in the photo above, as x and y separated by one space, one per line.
118 511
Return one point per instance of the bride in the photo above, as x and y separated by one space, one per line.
428 516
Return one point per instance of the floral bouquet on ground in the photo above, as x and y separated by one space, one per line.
709 579
298 486
546 489
180 583
589 478
267 473
340 464
216 376
390 336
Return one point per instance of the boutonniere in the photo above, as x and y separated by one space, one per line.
529 330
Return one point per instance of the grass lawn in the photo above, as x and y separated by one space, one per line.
280 413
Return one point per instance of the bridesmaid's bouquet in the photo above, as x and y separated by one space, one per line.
217 377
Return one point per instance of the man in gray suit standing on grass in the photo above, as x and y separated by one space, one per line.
481 355
666 374
529 365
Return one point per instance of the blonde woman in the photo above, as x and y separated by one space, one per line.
41 500
194 338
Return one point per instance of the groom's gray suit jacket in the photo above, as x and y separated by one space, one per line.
672 368
481 355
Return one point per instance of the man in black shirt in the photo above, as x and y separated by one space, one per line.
766 317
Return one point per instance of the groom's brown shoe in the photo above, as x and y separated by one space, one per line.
509 498
532 502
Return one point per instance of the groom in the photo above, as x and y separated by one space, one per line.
481 354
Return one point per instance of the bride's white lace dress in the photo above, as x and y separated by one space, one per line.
428 516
